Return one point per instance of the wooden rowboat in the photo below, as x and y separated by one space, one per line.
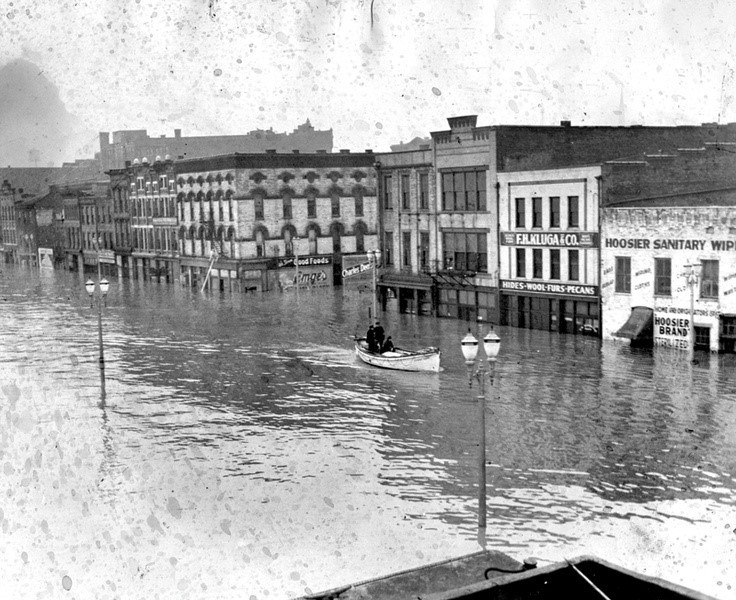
427 359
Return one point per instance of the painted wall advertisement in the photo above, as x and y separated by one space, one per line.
314 271
544 287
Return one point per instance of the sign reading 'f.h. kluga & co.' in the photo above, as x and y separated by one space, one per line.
569 239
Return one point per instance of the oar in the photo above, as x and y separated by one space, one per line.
593 585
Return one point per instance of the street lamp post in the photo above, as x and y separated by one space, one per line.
374 258
296 263
491 347
692 278
104 286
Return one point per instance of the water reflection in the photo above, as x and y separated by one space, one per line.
225 414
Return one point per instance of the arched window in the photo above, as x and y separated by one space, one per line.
337 230
360 232
182 232
358 192
312 235
289 235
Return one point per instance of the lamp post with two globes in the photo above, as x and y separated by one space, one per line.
491 347
103 286
374 258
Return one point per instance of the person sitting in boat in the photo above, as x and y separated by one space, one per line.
388 345
370 338
379 336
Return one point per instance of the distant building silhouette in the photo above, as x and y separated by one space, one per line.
130 144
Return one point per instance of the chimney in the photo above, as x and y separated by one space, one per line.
295 151
321 152
271 151
565 124
127 164
368 151
424 146
344 151
177 133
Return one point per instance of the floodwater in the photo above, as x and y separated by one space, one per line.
242 452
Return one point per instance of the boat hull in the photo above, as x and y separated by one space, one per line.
426 360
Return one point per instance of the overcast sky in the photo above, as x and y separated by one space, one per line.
230 66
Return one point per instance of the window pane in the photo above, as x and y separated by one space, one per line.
663 276
573 219
520 215
521 262
709 279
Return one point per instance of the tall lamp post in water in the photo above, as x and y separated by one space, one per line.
692 278
491 347
374 258
100 297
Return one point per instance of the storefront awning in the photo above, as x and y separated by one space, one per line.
639 326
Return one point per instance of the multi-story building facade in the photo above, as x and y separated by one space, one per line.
121 191
464 211
153 218
96 226
406 193
245 218
668 260
549 249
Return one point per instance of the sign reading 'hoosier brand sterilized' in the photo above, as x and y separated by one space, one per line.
570 239
545 287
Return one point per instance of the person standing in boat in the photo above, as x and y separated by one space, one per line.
388 345
379 336
370 338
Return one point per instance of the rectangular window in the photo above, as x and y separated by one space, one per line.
537 213
623 275
537 263
554 263
423 191
521 212
521 263
405 192
406 249
221 210
387 201
287 208
464 191
663 276
311 207
709 279
424 250
573 265
191 209
359 205
258 207
573 212
554 212
465 251
388 247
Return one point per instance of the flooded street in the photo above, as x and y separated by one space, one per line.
242 451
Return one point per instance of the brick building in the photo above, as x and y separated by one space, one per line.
244 218
126 146
549 249
668 249
463 215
